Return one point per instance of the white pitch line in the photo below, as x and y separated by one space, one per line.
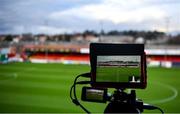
174 91
9 76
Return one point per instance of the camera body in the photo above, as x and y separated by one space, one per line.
119 66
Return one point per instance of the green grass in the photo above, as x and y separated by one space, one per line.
116 74
26 87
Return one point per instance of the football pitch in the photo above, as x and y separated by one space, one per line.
26 87
117 74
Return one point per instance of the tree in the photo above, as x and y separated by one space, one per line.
175 40
90 32
8 38
114 32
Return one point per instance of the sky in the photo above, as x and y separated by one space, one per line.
72 16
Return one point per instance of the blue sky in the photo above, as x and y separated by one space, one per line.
69 16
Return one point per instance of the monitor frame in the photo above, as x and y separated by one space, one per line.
108 49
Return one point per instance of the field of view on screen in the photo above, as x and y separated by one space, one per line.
118 69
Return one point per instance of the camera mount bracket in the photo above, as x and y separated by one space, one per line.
123 102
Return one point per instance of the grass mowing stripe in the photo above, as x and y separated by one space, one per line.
35 100
32 90
17 108
37 87
44 81
38 77
44 67
29 70
37 84
31 83
46 76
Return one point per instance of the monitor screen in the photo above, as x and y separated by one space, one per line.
118 68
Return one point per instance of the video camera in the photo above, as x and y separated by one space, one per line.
119 66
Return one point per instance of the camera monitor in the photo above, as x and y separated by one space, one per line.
118 65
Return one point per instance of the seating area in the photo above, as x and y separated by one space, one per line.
60 57
165 58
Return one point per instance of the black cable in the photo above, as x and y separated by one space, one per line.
73 88
71 92
151 107
87 75
80 82
83 75
139 112
160 110
77 102
83 82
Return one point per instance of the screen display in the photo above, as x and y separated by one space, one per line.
118 68
94 94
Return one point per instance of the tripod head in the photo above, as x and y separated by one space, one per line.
122 102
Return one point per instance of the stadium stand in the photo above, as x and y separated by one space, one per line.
78 53
68 54
67 58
